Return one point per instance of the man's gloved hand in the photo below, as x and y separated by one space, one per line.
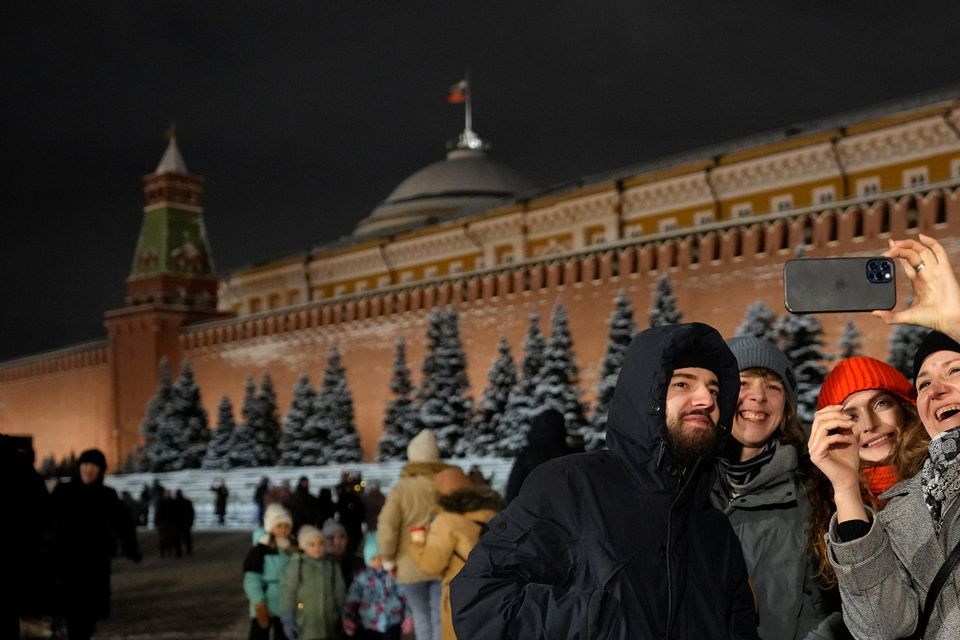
289 620
262 614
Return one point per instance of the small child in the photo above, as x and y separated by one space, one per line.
313 590
376 605
263 572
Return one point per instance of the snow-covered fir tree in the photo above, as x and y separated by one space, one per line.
801 339
158 409
849 344
555 386
488 420
243 443
189 431
621 333
758 321
265 423
904 340
296 449
520 408
444 407
664 310
399 420
335 406
218 450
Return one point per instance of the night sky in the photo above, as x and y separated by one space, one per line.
303 116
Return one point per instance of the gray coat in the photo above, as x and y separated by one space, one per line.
884 576
771 516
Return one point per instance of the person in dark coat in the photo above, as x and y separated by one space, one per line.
184 515
303 505
260 497
88 520
327 507
24 503
546 440
145 498
221 492
623 543
165 521
373 501
350 510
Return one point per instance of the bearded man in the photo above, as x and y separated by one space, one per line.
623 543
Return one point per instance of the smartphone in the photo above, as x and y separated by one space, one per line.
828 285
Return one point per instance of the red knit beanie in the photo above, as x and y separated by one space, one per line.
859 374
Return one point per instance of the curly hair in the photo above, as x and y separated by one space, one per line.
906 458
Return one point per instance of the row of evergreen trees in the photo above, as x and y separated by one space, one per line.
319 426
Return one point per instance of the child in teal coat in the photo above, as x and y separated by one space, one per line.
263 570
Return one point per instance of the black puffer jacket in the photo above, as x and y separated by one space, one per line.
618 544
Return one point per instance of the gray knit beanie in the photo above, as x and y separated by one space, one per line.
753 352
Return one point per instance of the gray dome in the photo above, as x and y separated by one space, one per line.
467 179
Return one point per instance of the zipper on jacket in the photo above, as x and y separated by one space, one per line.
682 483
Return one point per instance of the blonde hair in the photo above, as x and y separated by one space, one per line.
906 458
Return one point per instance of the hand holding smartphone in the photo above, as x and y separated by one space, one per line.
832 285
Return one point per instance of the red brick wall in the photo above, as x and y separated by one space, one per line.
364 327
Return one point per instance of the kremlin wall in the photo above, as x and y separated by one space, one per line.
469 232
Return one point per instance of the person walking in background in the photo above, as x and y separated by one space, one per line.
408 505
184 516
263 571
88 518
304 507
221 493
313 590
547 439
376 606
146 497
260 498
131 505
373 501
350 510
326 507
165 521
760 486
463 513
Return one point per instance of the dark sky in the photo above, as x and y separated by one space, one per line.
302 116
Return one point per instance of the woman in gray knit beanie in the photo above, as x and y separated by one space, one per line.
760 488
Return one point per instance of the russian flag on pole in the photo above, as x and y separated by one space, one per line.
457 93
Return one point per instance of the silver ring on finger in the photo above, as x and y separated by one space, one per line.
919 266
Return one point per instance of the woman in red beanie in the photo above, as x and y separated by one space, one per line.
891 564
880 400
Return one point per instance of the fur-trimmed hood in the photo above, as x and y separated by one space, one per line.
467 500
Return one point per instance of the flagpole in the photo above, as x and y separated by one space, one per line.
467 111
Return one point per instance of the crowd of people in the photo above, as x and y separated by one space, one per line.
365 565
713 512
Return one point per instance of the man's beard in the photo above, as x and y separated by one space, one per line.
689 444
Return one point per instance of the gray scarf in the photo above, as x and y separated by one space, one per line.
940 477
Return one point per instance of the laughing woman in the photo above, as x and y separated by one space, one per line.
880 400
886 561
760 487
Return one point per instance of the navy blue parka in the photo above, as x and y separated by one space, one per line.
623 543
